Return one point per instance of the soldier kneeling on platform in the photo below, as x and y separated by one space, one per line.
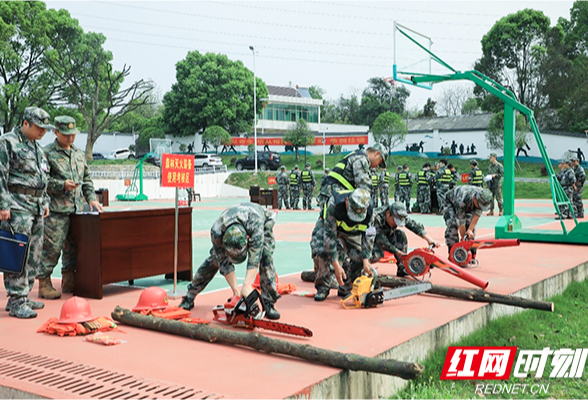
242 232
389 238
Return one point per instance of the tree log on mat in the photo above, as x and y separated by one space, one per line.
262 343
462 294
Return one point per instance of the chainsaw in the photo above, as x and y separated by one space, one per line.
418 262
245 313
461 252
366 293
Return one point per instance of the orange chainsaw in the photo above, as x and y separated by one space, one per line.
245 313
418 262
461 252
366 292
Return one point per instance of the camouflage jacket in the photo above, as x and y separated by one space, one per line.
255 219
460 201
22 164
444 177
384 231
580 176
355 169
63 165
339 228
568 178
283 179
498 170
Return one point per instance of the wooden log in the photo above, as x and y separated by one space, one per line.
462 294
471 294
262 343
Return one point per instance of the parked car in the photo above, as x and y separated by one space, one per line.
265 160
98 156
151 159
207 160
121 154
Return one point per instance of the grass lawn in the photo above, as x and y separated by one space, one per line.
529 330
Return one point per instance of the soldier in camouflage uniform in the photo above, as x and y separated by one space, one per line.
476 177
568 182
578 187
495 185
375 186
397 184
384 187
308 184
405 185
463 208
424 180
283 183
444 177
69 183
353 172
389 238
242 232
24 203
342 242
295 187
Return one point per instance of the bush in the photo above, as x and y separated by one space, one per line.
446 151
233 160
319 163
183 147
544 171
337 149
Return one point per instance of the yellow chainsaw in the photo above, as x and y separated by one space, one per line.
366 292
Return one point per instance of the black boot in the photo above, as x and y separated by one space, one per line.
321 294
270 311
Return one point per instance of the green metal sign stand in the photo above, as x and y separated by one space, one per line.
509 225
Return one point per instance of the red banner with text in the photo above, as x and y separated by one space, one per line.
177 170
318 140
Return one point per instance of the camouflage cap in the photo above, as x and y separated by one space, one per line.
296 166
378 147
307 165
283 167
327 170
398 212
574 158
66 125
473 162
484 198
235 243
359 201
492 155
38 116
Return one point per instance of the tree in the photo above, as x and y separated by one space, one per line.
215 136
429 108
90 82
470 106
153 129
26 31
380 96
453 98
390 130
211 90
299 136
495 131
513 51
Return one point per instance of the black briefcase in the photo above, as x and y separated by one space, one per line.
14 249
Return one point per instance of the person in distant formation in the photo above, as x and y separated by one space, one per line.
568 183
456 176
69 184
375 192
191 148
468 149
443 177
461 148
405 185
473 148
243 232
397 183
308 184
283 185
453 147
476 177
24 203
495 184
580 175
422 146
424 180
580 155
295 188
521 149
266 147
384 186
205 147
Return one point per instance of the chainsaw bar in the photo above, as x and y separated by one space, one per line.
243 321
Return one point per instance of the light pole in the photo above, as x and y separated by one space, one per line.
254 109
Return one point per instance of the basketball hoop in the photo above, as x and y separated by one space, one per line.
392 83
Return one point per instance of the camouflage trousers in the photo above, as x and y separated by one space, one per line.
396 193
385 195
375 196
307 189
267 271
441 192
564 210
452 227
577 202
497 195
283 197
57 242
404 196
294 197
424 198
398 240
19 285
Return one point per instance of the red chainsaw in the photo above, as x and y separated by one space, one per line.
461 252
245 313
418 262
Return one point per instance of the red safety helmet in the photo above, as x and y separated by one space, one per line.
75 310
152 298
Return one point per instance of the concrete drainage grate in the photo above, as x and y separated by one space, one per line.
84 381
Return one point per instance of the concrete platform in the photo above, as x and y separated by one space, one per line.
157 365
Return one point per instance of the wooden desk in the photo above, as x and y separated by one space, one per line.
120 246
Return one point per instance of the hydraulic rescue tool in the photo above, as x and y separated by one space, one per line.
366 292
418 262
461 252
246 313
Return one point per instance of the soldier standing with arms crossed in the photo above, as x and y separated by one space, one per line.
69 183
444 176
24 203
295 188
308 184
568 183
578 187
495 185
384 187
424 181
283 183
405 185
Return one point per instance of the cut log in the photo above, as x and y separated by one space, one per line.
462 294
262 343
471 294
